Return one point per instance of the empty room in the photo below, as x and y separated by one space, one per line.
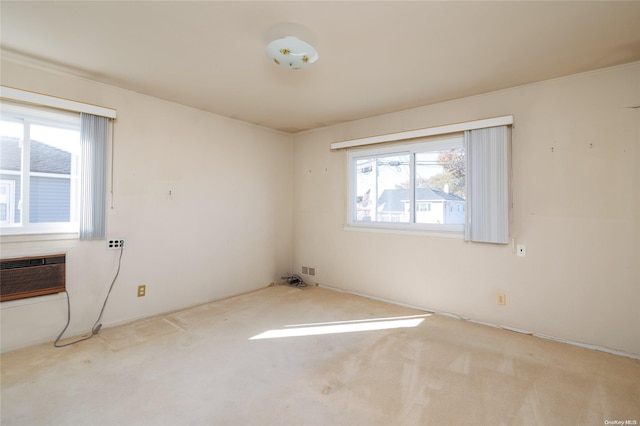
320 213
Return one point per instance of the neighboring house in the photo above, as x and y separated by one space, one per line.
432 206
50 188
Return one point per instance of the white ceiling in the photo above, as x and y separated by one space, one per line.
374 57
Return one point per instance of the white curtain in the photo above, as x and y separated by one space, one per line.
94 134
488 188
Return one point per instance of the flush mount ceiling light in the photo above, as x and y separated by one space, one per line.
291 52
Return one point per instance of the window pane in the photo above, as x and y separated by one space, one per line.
440 186
382 193
54 173
419 186
11 132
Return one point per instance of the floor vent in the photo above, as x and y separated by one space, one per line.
31 276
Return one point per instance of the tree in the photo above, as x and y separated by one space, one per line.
453 174
453 162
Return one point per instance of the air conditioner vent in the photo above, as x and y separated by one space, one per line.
32 276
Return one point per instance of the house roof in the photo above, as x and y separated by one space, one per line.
394 199
44 158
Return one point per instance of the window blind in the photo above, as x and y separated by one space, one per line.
488 193
94 133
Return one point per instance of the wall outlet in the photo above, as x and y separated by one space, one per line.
305 270
142 290
521 250
312 271
501 299
115 243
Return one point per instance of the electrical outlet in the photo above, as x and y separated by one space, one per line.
305 270
501 299
312 271
115 243
521 250
142 290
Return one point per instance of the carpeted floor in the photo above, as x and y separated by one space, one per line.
289 356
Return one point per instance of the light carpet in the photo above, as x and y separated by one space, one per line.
289 356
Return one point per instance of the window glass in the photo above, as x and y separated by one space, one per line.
39 170
440 186
11 142
410 186
379 197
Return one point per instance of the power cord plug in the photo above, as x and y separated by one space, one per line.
96 326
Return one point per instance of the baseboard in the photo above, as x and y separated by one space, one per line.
504 327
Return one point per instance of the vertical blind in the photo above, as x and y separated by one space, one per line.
94 133
488 193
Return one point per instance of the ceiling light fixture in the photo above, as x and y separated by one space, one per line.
291 52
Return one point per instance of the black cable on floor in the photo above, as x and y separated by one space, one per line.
96 327
294 280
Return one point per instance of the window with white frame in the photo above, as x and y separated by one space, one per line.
39 169
483 163
418 185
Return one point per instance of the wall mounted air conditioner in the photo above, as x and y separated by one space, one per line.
32 276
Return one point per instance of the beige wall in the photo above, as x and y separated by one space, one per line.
228 227
225 229
576 208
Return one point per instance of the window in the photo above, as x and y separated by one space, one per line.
481 165
56 162
39 170
416 186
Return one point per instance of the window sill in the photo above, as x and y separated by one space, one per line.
41 229
27 245
25 238
406 231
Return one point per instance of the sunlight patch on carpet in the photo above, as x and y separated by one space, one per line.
317 329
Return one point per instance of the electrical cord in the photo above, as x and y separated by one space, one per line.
96 327
294 280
